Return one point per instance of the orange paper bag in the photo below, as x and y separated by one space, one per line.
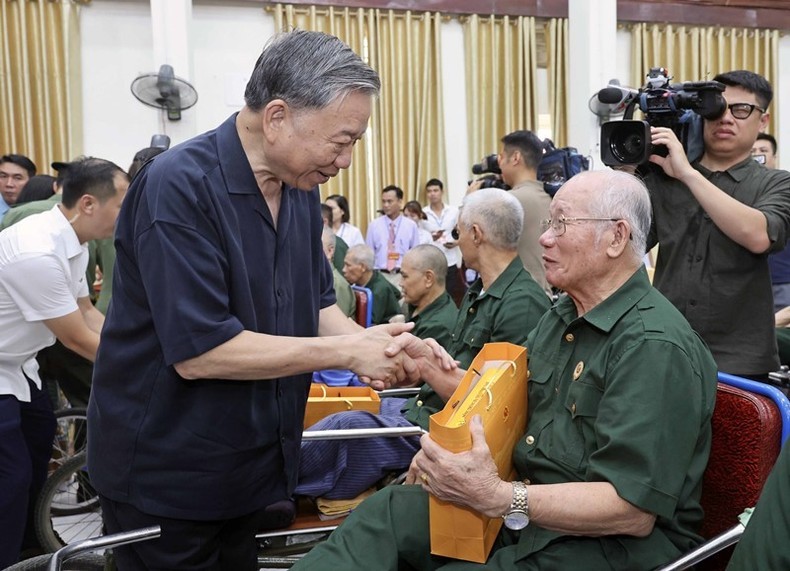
495 387
325 400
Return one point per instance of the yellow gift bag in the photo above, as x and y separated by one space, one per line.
324 400
495 387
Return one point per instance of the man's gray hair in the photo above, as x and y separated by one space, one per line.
428 257
361 254
308 70
623 196
328 237
498 213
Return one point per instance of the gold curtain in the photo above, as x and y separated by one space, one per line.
405 140
40 95
501 79
693 53
558 72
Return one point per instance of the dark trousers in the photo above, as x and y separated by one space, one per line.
72 372
27 430
227 545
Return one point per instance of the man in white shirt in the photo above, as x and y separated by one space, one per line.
391 235
441 222
44 296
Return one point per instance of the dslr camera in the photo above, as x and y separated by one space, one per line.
490 167
677 106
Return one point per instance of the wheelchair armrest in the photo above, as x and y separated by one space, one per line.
343 434
408 392
707 549
95 543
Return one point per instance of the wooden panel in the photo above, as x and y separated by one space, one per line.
683 12
772 14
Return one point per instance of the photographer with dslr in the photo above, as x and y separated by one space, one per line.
716 220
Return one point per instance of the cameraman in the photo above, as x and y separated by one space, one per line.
518 160
716 220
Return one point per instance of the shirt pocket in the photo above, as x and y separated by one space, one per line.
474 338
573 437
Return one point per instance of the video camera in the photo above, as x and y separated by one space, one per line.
490 167
677 106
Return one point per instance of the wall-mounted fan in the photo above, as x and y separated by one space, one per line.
164 90
611 101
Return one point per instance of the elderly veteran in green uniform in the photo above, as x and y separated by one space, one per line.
430 307
618 434
764 543
358 270
346 300
504 304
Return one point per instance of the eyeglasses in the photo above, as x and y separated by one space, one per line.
743 110
558 225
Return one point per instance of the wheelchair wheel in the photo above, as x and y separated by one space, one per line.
70 435
90 562
68 508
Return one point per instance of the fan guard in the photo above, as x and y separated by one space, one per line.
163 90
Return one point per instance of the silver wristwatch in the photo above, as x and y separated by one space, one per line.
517 517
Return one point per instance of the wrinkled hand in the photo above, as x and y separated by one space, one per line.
675 164
422 349
372 356
467 478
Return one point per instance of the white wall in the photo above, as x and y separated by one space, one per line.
226 39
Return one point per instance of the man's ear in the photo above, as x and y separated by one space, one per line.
430 278
274 116
620 239
87 203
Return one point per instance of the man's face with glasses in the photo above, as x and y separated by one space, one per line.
731 136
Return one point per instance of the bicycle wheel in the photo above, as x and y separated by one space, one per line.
68 508
70 435
90 562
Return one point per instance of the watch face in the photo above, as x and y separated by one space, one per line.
516 520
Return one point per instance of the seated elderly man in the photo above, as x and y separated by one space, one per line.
503 304
358 270
430 307
343 292
618 435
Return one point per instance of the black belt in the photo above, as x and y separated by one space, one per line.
392 271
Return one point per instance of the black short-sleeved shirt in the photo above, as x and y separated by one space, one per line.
198 262
722 289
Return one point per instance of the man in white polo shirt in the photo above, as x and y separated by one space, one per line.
43 296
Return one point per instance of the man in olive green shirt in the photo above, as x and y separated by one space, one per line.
504 304
430 307
358 270
621 395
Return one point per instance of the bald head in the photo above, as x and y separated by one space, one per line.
428 257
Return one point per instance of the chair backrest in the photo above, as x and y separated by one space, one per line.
364 314
747 431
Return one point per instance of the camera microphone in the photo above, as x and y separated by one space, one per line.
612 95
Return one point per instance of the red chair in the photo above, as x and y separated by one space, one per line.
748 432
364 313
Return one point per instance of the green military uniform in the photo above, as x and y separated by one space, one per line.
436 320
623 394
346 300
764 543
21 211
507 311
385 298
341 248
